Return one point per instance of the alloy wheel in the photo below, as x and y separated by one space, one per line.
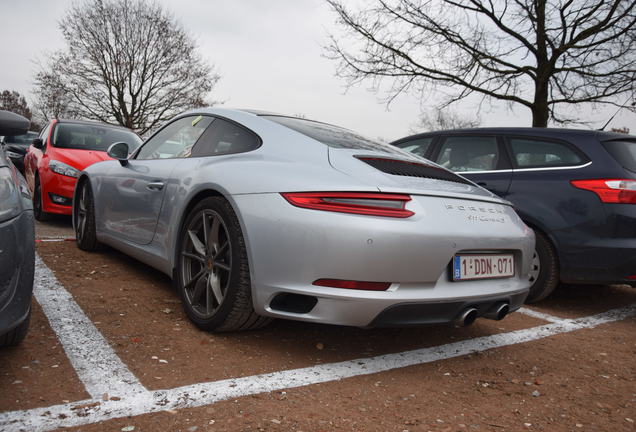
206 262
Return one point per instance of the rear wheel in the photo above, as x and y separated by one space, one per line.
212 270
39 214
16 335
84 218
544 271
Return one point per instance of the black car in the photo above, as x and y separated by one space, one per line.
17 242
575 188
16 146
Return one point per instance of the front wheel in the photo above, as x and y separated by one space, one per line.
84 218
544 271
38 212
16 335
212 274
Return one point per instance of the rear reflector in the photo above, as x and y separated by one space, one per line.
356 285
632 277
364 203
617 191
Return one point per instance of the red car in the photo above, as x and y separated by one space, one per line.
62 150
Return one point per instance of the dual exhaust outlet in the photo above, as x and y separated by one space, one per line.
469 315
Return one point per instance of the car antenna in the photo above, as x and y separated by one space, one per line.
619 108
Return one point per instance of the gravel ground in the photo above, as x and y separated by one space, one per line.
583 380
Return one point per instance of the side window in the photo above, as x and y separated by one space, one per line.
175 140
224 137
464 153
536 153
418 146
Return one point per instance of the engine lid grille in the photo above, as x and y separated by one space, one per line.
412 169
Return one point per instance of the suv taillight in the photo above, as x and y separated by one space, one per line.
617 191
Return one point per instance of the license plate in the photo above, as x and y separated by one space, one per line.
466 267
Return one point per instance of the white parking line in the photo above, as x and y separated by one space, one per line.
95 362
140 401
541 315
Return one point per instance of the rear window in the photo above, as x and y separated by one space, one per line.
417 146
330 135
92 137
624 152
21 139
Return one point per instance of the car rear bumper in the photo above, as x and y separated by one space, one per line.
289 248
17 266
609 261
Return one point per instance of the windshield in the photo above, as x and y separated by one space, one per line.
624 152
333 136
92 137
25 139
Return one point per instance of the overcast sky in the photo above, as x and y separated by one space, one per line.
269 55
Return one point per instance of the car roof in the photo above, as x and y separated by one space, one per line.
524 131
93 123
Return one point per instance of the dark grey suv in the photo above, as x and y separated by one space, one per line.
575 188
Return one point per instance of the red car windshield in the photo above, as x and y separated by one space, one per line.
92 137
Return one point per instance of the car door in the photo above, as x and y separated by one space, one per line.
133 194
480 158
541 190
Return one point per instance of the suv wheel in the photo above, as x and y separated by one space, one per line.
544 273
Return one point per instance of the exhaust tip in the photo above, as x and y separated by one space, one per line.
498 311
467 317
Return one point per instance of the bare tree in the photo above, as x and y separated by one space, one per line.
545 55
51 98
126 62
444 120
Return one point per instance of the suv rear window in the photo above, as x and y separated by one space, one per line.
624 152
330 135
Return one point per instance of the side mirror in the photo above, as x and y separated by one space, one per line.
38 143
119 151
13 124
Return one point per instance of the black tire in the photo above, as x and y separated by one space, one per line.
17 335
84 218
212 276
38 213
547 278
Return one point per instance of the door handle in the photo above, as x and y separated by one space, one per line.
482 184
157 185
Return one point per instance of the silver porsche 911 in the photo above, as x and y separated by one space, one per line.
258 215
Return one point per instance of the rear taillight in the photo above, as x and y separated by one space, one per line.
618 191
356 285
364 203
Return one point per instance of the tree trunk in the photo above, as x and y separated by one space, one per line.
540 109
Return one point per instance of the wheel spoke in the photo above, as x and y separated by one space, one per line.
196 243
194 256
222 266
199 289
221 250
215 285
82 203
213 241
194 280
206 230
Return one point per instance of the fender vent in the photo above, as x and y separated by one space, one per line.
412 169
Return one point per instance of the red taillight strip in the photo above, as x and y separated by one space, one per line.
617 191
318 201
356 285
